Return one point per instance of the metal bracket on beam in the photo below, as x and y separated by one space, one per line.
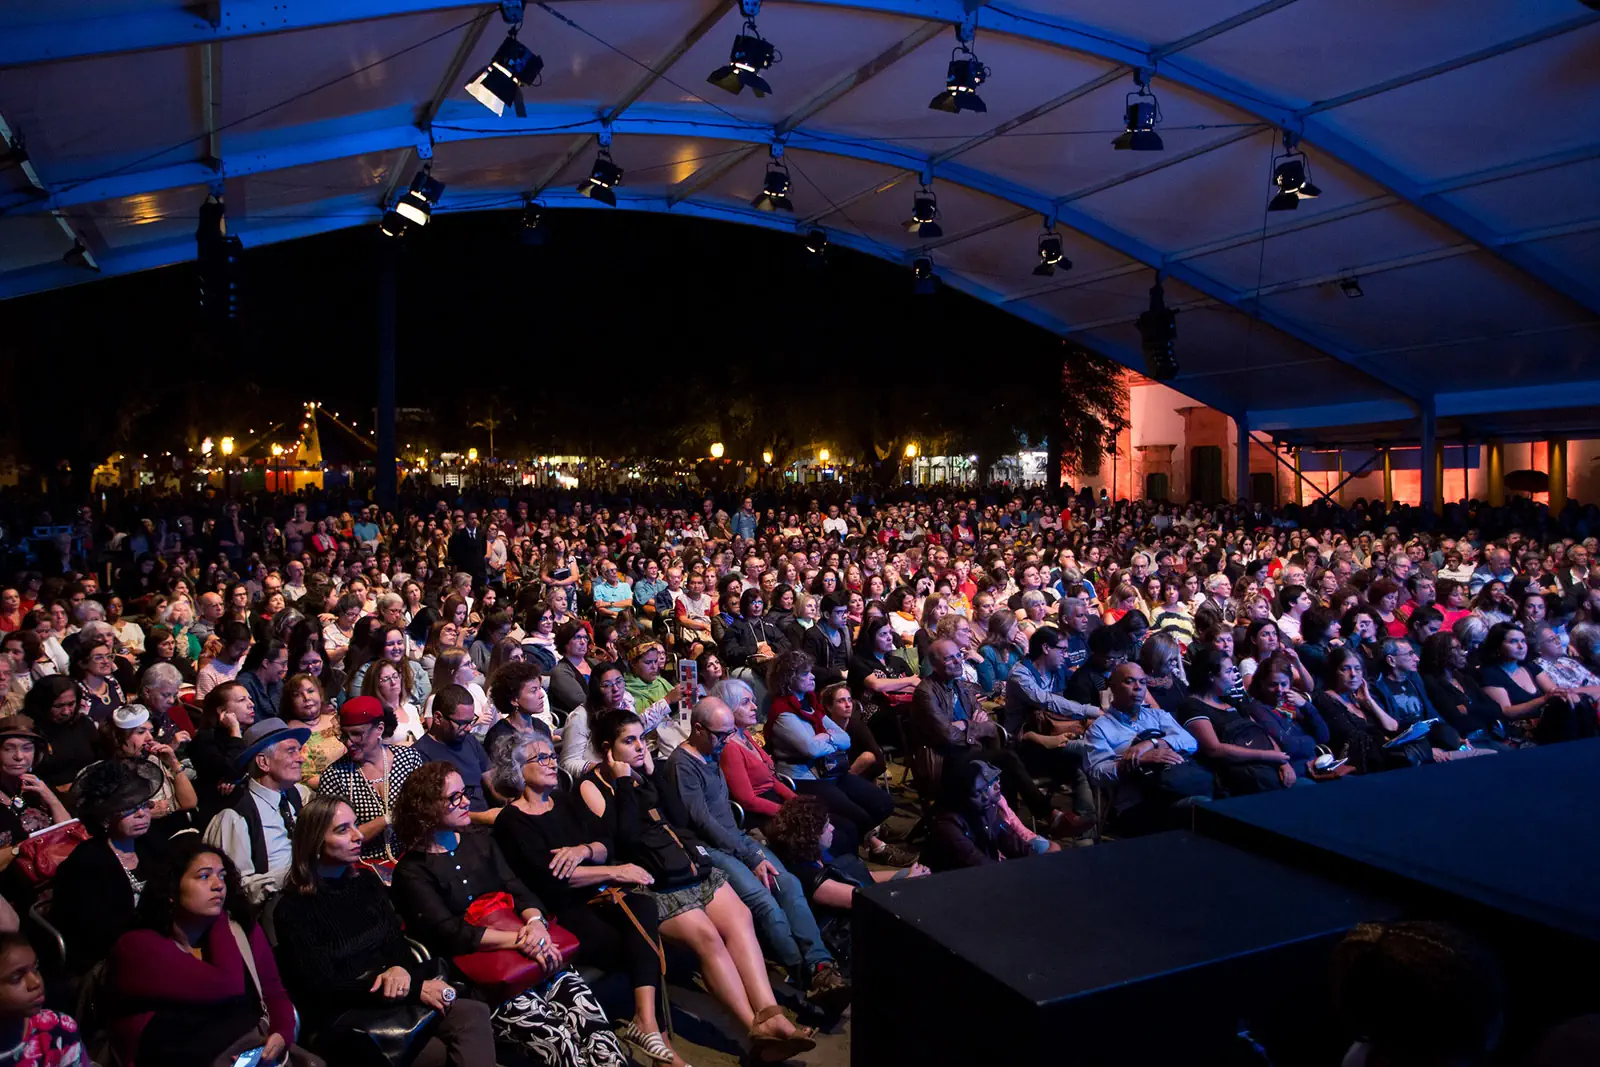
512 11
750 8
604 136
967 28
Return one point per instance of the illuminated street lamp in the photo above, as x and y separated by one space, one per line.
766 456
716 450
227 446
911 450
822 455
206 446
472 455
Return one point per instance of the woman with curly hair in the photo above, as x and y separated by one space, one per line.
802 836
447 867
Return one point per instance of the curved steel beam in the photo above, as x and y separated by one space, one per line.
461 121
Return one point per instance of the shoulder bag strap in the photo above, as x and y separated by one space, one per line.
247 954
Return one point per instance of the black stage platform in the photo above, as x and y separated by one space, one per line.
1155 950
1507 846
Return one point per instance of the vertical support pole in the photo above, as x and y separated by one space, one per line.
1299 481
1241 462
1338 486
387 488
1558 476
1430 459
1495 475
1388 480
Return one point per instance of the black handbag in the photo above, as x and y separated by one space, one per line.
389 1035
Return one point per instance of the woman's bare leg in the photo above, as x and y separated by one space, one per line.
738 933
696 929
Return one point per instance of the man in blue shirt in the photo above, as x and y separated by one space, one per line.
612 593
646 591
450 740
1143 755
365 528
744 520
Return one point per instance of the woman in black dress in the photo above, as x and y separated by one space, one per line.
1358 727
556 846
446 867
1458 697
1519 685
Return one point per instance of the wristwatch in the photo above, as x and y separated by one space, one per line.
448 995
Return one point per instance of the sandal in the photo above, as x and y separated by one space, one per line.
767 1049
651 1043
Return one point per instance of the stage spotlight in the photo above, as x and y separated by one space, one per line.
533 233
924 281
500 84
961 81
817 242
1351 287
417 204
394 224
1158 336
774 195
750 55
924 220
219 257
1050 255
1291 176
603 179
1141 114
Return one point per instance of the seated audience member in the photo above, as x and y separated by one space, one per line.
448 865
450 740
225 665
402 719
814 750
517 693
648 689
50 1038
948 720
159 687
304 704
1161 657
1286 714
1004 645
746 764
553 842
1144 757
194 983
1524 691
1418 993
70 739
1567 672
1243 756
828 642
970 828
255 830
263 671
608 691
1109 647
29 804
802 834
867 759
1458 698
776 901
97 886
128 735
695 904
751 640
94 669
1358 728
369 776
880 679
341 951
215 752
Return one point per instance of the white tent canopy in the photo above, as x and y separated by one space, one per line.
1455 145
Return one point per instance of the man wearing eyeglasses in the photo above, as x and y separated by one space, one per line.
449 739
697 796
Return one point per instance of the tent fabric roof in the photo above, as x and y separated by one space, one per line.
1456 147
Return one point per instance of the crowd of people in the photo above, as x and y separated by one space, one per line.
292 776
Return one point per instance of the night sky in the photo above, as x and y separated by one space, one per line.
615 301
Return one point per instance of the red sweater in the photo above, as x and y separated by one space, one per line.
149 971
750 773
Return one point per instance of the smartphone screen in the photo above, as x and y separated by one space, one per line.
689 679
248 1059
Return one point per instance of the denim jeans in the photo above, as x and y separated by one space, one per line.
783 919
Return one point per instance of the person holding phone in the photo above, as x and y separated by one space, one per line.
195 981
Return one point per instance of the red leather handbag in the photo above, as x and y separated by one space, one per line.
502 973
40 855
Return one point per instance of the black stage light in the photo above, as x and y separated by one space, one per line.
924 220
603 179
1158 337
417 203
500 84
1050 255
774 195
1291 176
751 54
1141 114
394 224
924 281
961 81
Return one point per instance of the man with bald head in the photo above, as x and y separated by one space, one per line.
697 797
1143 754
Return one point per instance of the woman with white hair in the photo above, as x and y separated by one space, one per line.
751 774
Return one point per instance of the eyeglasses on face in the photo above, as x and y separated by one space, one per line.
458 799
543 759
